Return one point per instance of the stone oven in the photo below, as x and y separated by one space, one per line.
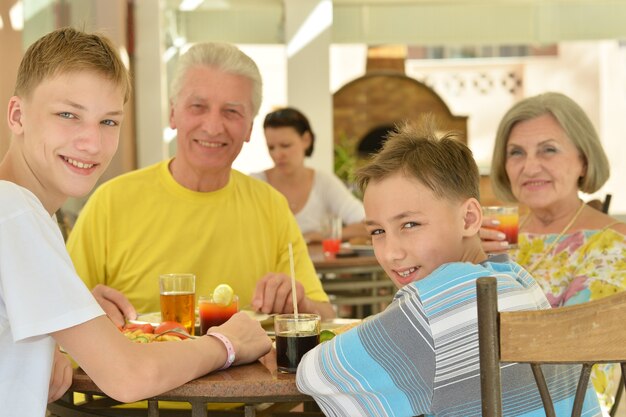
366 108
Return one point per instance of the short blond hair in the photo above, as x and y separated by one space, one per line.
576 125
442 163
67 50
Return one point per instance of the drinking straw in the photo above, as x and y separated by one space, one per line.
294 298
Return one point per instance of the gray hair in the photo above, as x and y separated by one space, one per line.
576 125
224 57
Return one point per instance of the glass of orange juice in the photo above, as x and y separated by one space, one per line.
508 216
178 293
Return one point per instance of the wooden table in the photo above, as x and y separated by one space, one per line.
358 281
252 384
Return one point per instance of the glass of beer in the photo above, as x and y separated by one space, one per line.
508 217
215 314
295 336
178 299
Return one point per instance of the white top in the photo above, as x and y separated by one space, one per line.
329 196
40 293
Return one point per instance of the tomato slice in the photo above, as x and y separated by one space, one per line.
171 325
145 327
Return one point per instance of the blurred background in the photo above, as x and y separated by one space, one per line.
356 68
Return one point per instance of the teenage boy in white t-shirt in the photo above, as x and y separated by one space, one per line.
65 121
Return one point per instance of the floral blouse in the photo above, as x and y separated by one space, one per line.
582 266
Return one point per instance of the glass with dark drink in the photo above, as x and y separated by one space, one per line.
295 336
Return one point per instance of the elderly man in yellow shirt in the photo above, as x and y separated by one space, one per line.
194 213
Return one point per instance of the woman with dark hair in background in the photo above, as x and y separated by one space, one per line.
313 195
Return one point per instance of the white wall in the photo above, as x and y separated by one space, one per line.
272 63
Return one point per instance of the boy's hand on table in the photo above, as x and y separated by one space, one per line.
249 339
60 377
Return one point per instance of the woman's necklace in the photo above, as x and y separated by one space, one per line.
538 262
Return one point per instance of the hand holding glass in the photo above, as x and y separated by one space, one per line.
508 217
178 299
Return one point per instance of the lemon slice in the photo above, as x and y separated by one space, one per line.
223 294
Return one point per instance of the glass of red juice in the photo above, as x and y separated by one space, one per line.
295 336
508 216
331 246
331 236
215 314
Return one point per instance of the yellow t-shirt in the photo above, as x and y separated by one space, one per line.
143 224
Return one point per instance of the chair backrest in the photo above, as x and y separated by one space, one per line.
606 203
600 205
586 334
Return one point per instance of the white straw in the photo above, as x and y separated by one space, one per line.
294 298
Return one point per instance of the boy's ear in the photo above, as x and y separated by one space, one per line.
14 115
473 217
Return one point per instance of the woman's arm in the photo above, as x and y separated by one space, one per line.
61 376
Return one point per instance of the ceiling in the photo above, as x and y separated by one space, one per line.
417 22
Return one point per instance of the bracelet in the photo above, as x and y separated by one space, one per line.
230 350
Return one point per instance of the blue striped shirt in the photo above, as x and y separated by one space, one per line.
420 355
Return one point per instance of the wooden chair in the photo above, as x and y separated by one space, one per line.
601 205
586 334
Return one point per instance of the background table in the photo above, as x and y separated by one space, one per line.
253 384
356 281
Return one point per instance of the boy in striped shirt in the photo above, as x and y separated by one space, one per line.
420 355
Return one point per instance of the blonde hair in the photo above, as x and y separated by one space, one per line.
67 50
224 57
576 125
441 163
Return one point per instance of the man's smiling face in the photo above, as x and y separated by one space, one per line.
213 116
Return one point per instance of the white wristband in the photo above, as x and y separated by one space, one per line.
230 350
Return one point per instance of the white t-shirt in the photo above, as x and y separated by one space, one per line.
329 196
40 293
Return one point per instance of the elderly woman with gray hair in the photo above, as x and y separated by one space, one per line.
546 153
